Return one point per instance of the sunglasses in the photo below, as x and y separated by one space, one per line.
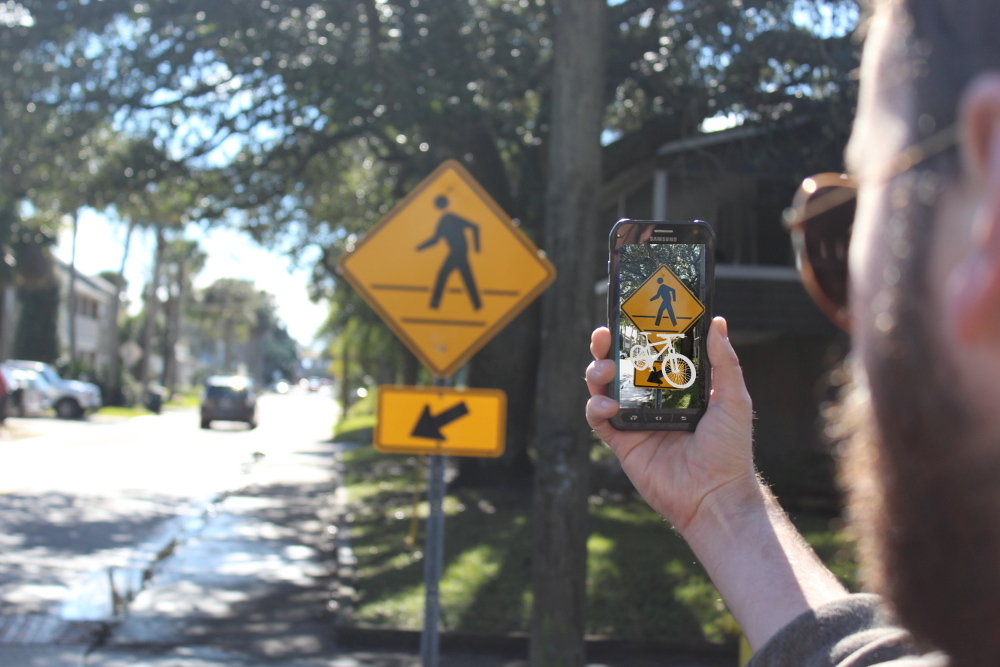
820 222
821 218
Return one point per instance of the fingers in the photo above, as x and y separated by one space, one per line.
599 410
600 343
728 388
601 371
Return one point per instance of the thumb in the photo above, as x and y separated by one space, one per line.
729 391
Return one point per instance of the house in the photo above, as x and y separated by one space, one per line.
740 181
87 322
91 325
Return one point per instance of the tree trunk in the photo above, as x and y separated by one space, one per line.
72 297
150 320
168 378
345 385
173 334
228 337
560 518
114 375
411 368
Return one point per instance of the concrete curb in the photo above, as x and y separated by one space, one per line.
515 645
344 593
124 583
36 629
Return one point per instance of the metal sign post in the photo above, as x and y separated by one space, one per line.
433 555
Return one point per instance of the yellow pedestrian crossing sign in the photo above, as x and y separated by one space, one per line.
663 303
447 269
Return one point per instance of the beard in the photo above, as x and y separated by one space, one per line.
922 473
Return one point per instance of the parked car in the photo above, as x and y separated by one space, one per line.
27 392
71 398
229 398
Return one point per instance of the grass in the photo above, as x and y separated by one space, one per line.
121 411
643 580
187 399
359 422
354 429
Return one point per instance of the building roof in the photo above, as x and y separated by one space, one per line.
95 283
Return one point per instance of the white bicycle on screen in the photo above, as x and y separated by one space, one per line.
677 370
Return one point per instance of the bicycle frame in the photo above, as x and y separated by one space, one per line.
662 347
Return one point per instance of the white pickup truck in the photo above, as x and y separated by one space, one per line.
71 398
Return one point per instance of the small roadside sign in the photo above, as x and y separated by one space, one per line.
447 269
663 303
439 420
652 378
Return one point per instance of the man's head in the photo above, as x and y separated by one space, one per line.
924 461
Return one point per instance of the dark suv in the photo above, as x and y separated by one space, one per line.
229 398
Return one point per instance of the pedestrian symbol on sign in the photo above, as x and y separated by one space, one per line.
663 293
668 294
451 228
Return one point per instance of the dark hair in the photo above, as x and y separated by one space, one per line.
952 41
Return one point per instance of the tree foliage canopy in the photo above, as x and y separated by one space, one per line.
310 118
304 121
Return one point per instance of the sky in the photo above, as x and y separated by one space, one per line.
231 254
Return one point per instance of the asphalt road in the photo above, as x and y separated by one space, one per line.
89 502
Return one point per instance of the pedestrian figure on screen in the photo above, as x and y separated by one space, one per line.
668 294
452 228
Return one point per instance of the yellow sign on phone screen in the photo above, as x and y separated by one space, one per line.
663 304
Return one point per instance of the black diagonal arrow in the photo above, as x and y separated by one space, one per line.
429 426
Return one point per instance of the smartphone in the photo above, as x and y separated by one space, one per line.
661 277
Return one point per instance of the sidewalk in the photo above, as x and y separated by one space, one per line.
254 587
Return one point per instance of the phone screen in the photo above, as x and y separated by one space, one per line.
661 302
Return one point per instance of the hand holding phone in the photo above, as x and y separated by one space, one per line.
677 472
704 483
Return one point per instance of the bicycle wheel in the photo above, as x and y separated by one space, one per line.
641 357
678 371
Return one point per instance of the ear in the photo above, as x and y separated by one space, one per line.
978 120
973 289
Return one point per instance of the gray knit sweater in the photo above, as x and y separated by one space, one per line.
853 632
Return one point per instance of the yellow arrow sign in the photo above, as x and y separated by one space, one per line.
663 303
653 377
438 420
446 269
